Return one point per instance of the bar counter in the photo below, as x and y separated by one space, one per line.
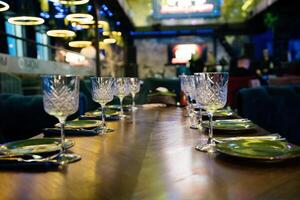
152 156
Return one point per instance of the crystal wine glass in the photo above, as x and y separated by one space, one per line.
102 93
122 89
188 89
134 85
211 89
61 99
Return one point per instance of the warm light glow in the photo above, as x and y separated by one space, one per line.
109 41
71 2
80 44
183 52
105 33
89 24
247 4
3 6
61 33
186 6
26 20
116 33
79 17
74 58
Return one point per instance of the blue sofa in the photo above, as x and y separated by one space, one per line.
276 109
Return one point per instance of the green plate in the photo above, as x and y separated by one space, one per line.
34 146
117 107
267 150
231 125
220 113
81 124
97 113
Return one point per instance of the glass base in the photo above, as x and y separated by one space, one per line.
106 130
134 108
194 126
122 117
68 157
210 148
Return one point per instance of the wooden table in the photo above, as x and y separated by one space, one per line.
153 157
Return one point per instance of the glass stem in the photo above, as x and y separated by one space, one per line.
210 133
133 101
62 122
103 115
121 106
188 109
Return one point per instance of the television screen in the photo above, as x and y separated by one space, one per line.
182 53
186 8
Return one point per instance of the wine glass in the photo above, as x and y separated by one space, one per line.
122 89
102 93
211 93
61 99
134 85
188 87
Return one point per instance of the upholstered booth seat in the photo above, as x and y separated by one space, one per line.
22 117
277 109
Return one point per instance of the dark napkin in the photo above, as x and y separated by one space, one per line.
13 165
48 132
107 118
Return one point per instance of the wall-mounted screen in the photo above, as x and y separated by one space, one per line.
186 8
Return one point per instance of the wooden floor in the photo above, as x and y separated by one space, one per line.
152 156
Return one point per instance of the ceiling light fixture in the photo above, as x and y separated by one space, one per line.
79 17
61 33
80 44
73 2
26 20
3 6
109 41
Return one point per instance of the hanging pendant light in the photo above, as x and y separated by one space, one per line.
3 6
26 20
80 44
60 29
71 2
61 33
109 41
79 17
25 14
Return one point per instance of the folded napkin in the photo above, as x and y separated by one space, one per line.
48 132
107 118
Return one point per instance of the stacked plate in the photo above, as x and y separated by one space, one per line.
231 125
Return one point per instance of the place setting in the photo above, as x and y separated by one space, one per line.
76 128
210 94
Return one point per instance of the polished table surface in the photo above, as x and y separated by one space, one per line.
153 156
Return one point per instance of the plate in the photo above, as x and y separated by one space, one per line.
126 108
34 146
97 113
76 124
231 125
220 113
267 150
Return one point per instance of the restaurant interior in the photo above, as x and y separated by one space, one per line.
161 99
